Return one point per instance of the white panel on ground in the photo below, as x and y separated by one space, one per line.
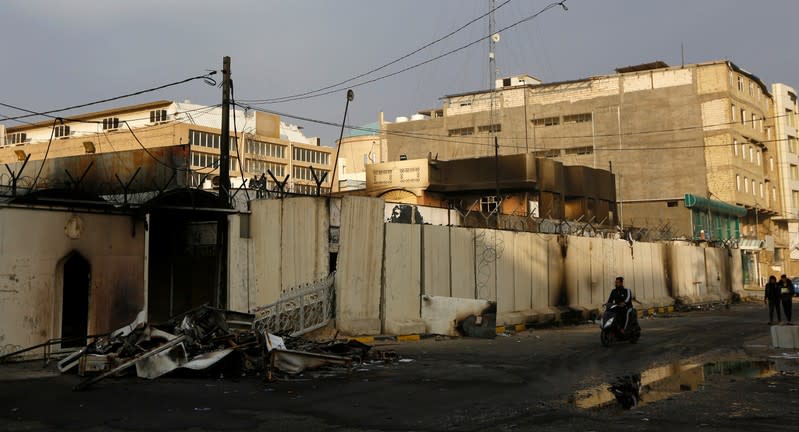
462 256
360 266
402 280
442 314
265 229
659 271
241 262
598 275
436 260
488 246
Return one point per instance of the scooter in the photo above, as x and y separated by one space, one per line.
611 323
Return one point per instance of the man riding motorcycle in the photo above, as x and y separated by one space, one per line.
623 297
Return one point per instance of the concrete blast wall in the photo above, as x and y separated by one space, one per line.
532 276
360 266
288 243
35 245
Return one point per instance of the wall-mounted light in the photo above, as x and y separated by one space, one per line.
89 147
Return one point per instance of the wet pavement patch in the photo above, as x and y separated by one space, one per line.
659 383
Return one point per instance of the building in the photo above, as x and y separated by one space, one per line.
523 182
269 144
704 130
786 122
363 146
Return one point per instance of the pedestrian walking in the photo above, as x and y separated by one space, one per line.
772 297
786 296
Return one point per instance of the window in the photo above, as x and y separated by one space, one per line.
488 204
735 146
792 144
672 204
732 79
210 140
16 138
261 148
751 154
261 167
759 158
547 121
751 89
762 195
738 182
461 131
577 118
552 153
746 184
158 116
794 172
740 83
754 120
312 156
61 131
586 150
111 123
465 104
754 191
774 193
743 116
490 128
506 82
733 113
771 163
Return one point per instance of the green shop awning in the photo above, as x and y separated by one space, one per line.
718 207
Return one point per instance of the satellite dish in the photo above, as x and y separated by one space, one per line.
495 37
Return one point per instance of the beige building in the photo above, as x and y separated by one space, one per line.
786 120
269 144
704 130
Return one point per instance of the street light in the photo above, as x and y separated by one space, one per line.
350 97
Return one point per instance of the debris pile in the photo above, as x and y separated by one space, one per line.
206 338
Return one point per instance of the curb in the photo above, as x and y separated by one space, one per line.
517 328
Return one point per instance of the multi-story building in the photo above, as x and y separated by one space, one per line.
786 122
703 131
269 144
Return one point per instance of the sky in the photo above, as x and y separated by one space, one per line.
62 53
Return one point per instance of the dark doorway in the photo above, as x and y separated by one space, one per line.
75 301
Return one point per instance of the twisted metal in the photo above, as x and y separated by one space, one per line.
300 310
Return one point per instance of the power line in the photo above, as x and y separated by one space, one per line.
397 60
205 77
524 20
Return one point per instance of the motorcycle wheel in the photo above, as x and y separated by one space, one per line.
606 337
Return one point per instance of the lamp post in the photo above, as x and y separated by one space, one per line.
350 97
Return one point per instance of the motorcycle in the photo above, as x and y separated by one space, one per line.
611 325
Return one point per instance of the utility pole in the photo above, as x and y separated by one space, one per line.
492 73
224 146
220 294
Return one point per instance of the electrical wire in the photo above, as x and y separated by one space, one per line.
448 53
379 68
47 152
205 77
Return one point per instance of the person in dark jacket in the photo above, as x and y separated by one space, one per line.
786 296
772 297
622 296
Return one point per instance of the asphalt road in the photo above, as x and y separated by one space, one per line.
527 381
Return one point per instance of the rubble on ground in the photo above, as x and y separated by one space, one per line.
216 341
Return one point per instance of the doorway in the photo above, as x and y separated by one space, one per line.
75 304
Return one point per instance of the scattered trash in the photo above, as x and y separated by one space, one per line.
405 360
220 342
480 326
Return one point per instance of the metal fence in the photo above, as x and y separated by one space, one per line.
300 310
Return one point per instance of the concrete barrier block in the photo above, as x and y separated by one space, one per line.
785 336
405 327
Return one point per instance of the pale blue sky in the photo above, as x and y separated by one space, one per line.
61 53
